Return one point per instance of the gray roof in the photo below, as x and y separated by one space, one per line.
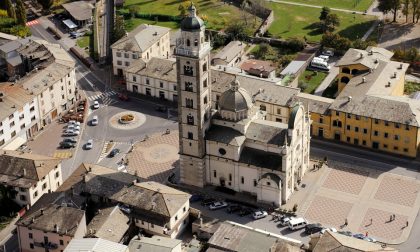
230 51
260 158
293 67
313 103
225 135
66 219
192 22
25 169
155 244
364 57
110 224
163 69
14 98
12 45
94 245
235 98
141 38
268 132
79 10
261 90
236 238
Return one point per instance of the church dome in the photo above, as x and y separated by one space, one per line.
192 22
235 99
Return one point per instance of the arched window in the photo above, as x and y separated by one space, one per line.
354 71
188 42
189 103
345 80
345 70
188 70
190 119
188 86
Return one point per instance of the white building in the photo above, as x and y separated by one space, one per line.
233 145
29 176
144 42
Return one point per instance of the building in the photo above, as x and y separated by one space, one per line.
330 241
260 68
19 116
29 176
234 237
95 245
155 243
80 12
233 145
50 228
230 55
144 42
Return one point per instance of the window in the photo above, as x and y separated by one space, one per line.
147 81
348 127
376 121
62 97
22 197
176 217
190 135
31 245
127 63
321 120
405 150
12 124
364 142
397 125
119 62
196 42
126 55
263 108
61 242
268 183
188 86
21 116
32 109
279 120
364 131
242 180
396 137
337 113
356 129
35 194
230 176
214 173
189 103
134 78
32 118
407 127
13 133
11 116
184 209
376 133
348 139
255 182
222 151
205 83
188 70
204 67
278 111
44 186
152 225
57 174
386 146
386 134
386 123
174 87
142 222
205 99
395 147
134 56
188 42
357 117
161 84
22 126
118 54
190 119
349 116
31 236
148 92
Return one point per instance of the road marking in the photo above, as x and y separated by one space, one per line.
63 154
30 23
103 152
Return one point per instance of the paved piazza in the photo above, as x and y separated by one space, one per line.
155 158
346 191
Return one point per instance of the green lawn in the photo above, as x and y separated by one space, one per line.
300 21
134 22
359 5
411 87
310 80
216 13
83 42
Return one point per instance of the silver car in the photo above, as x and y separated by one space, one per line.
89 144
94 121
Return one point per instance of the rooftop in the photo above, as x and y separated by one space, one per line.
260 65
141 38
155 244
94 245
24 169
12 98
54 218
260 158
79 10
230 51
293 67
368 57
163 69
314 103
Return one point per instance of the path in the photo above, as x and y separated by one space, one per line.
319 7
328 80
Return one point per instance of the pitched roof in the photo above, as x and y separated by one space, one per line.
94 245
259 65
79 10
52 218
268 132
141 38
13 98
313 103
163 69
367 57
25 169
225 135
230 51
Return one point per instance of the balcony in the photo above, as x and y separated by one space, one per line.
179 50
48 245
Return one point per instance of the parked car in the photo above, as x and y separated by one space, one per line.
208 201
73 122
259 214
359 236
124 208
217 205
297 223
94 121
313 228
114 152
347 233
369 239
233 208
95 105
245 211
328 53
324 57
70 140
66 145
70 132
73 127
284 220
89 144
333 230
75 35
196 197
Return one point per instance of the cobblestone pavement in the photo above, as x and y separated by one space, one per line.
358 194
155 158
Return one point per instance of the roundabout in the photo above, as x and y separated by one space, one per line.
127 120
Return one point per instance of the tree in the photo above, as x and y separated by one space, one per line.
334 40
415 8
405 9
20 13
237 31
324 13
46 4
10 9
331 21
118 31
390 6
20 31
264 50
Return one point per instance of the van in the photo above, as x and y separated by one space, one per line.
321 65
297 223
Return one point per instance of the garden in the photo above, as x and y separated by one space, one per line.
358 5
310 80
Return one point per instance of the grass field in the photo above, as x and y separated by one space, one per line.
134 22
310 80
216 13
411 87
359 5
299 21
83 42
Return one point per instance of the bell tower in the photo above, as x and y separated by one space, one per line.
194 99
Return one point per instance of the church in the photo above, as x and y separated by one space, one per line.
230 144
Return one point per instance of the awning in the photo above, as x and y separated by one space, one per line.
16 143
69 24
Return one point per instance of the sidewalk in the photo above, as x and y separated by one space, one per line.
7 231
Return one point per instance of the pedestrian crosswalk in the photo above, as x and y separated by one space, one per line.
102 95
33 22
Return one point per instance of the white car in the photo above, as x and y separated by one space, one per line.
284 221
95 104
332 230
70 132
218 205
259 215
324 57
73 127
328 53
89 144
73 122
94 121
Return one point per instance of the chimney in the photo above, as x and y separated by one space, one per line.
361 55
349 98
395 74
388 84
24 172
201 222
363 79
370 52
401 66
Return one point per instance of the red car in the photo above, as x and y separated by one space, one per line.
123 97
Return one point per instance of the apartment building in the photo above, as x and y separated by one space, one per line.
50 228
144 42
27 177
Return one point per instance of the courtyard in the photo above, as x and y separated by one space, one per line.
364 198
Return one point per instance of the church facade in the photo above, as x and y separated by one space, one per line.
231 144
